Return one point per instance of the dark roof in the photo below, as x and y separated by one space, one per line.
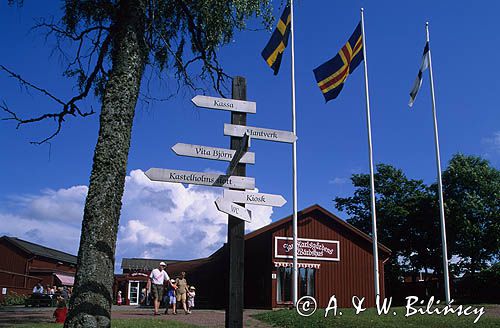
308 210
39 250
187 266
143 264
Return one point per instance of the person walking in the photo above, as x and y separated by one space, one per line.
190 298
170 299
181 291
119 299
155 285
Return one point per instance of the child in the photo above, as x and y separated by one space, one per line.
190 298
61 311
171 300
119 299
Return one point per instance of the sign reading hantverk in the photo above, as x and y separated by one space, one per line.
220 154
225 104
233 209
259 133
246 197
307 249
200 178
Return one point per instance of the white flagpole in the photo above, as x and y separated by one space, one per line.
440 183
372 180
295 269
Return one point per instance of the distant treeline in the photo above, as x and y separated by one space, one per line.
408 223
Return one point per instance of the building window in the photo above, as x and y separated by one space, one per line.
284 285
306 283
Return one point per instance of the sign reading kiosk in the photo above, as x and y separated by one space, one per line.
307 249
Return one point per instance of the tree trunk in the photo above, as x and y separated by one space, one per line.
90 304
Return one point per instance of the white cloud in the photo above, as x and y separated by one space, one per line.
339 181
493 143
158 220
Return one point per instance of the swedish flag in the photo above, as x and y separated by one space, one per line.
274 49
331 75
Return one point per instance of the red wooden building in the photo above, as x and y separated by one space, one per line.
23 264
335 258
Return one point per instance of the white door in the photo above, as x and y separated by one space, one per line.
133 292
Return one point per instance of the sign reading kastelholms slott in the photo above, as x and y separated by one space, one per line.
307 249
200 178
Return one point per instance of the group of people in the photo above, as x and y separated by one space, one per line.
178 290
60 294
54 291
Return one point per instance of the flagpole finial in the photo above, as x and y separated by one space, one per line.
426 24
362 9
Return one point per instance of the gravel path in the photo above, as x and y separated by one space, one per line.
203 318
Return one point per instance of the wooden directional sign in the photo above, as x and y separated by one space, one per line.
220 154
245 143
254 198
225 104
259 133
233 209
201 178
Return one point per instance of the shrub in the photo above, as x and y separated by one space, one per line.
12 298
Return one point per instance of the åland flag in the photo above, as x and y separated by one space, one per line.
274 49
331 75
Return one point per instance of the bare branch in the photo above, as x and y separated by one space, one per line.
30 85
68 108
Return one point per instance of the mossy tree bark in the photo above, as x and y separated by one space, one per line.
90 304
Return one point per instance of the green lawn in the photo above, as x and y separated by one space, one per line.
123 323
369 318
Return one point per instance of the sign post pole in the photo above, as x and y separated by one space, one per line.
236 226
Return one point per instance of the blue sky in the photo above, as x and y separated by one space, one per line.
41 185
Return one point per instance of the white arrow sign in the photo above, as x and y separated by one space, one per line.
220 154
225 104
254 198
233 209
200 178
259 133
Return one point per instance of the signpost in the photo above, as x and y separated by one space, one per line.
242 150
259 133
232 105
254 198
200 178
220 154
235 226
237 156
233 209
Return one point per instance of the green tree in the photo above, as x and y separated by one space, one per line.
405 220
114 41
471 188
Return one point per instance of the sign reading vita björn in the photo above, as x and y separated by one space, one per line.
246 197
225 104
259 133
307 249
200 178
220 154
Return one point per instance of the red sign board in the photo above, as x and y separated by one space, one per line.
308 249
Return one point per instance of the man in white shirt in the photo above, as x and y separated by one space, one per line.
38 289
155 284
